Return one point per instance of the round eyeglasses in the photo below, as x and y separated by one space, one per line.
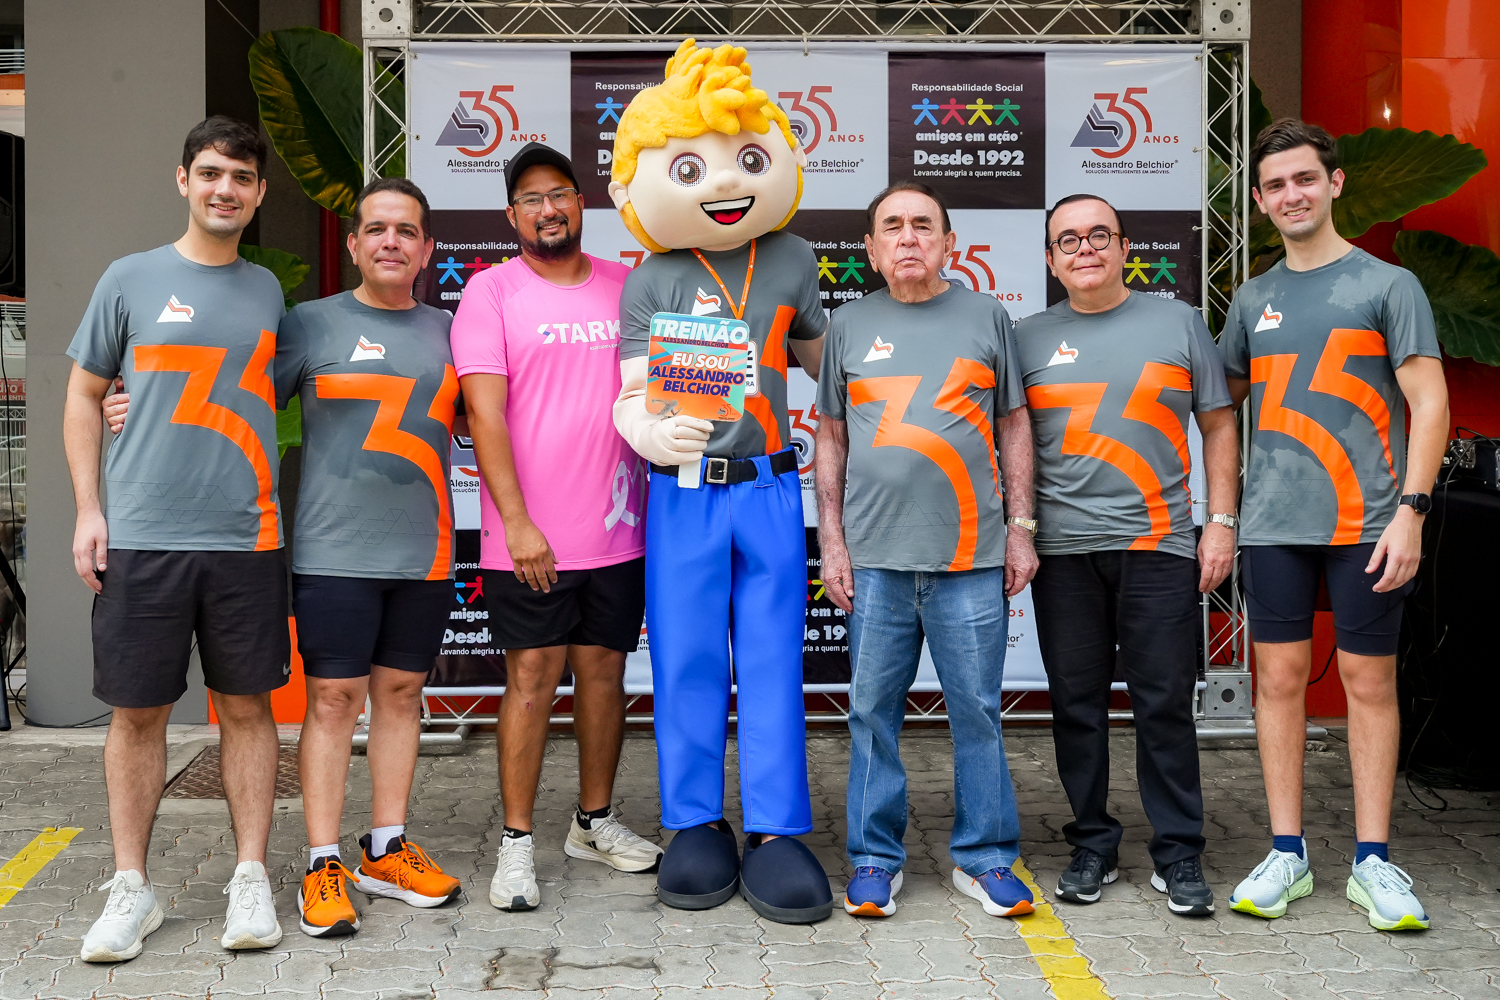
562 198
1069 243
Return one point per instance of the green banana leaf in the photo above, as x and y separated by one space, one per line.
1463 284
289 269
291 272
1389 172
310 85
289 426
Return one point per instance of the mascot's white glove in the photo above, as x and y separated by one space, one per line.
663 440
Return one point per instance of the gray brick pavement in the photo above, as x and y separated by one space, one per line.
601 935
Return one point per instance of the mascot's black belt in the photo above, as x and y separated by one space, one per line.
728 471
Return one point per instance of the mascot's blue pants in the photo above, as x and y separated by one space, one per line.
727 564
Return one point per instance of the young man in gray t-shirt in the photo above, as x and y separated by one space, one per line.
1329 346
189 546
917 389
1111 379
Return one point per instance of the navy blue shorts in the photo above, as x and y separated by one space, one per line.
346 623
1281 589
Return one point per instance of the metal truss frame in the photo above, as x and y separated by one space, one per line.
1226 187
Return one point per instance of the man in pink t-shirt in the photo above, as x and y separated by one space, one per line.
536 344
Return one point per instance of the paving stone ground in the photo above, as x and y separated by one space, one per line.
600 934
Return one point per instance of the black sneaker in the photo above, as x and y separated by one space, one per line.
1186 888
1084 880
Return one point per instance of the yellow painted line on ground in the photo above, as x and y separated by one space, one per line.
1053 948
33 858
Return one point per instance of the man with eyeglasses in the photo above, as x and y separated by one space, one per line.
536 343
1111 376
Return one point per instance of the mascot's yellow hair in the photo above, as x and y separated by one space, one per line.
703 90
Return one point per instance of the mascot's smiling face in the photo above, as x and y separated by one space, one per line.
704 159
715 190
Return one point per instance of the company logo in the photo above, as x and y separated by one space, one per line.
880 350
1150 272
1065 355
478 130
595 331
1268 320
815 122
366 351
1113 131
962 115
175 312
959 261
704 304
475 589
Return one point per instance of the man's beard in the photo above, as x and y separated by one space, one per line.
562 246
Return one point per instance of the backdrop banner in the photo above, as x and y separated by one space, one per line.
1001 131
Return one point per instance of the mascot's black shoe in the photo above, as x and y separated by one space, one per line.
784 882
700 868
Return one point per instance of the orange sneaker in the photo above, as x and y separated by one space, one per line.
408 875
324 903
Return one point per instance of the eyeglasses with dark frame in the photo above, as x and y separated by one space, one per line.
1069 243
563 198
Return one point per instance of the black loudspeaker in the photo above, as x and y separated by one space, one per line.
1448 681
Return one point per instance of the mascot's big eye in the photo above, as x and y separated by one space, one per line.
754 160
689 169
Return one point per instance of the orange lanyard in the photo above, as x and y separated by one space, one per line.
738 310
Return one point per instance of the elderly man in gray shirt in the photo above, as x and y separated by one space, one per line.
918 381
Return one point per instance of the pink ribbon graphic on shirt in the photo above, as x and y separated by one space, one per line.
619 493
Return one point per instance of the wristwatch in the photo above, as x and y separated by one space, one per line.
1227 520
1021 522
1419 502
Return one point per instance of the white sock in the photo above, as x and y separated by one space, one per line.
314 853
381 837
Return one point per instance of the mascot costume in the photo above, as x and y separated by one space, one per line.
706 173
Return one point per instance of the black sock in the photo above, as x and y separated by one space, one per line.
586 819
515 834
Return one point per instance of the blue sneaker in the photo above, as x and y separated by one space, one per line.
999 889
872 892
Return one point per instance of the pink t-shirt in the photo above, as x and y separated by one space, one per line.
559 347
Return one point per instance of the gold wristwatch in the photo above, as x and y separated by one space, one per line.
1021 522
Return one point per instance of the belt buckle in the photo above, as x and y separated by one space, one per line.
717 472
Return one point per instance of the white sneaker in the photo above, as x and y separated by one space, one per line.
251 919
1385 892
612 842
129 915
1282 877
514 885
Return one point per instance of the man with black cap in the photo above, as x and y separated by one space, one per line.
536 345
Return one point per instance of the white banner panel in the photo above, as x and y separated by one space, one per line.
835 101
472 107
998 253
1123 124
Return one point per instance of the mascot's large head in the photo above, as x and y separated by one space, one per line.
697 163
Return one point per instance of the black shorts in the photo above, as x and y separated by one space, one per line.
1281 589
346 623
603 606
154 603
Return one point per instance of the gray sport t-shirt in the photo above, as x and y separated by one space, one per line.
378 391
784 303
1109 395
195 468
921 386
1328 431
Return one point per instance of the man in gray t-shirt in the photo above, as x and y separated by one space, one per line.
917 388
1111 378
1329 346
189 545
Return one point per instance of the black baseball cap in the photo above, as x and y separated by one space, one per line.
534 154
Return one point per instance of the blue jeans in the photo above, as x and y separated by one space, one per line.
964 616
